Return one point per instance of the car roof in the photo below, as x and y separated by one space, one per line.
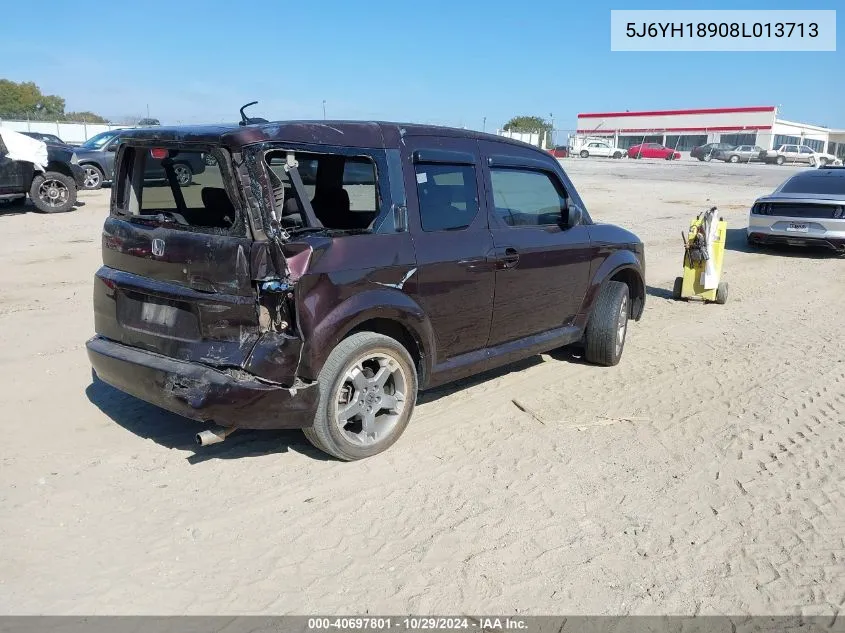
372 134
813 175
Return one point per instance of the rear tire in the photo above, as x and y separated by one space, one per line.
677 289
351 373
584 153
780 160
707 158
822 162
53 192
93 178
184 175
722 293
604 339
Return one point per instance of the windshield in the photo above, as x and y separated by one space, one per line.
96 142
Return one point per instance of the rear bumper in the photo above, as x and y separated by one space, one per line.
201 392
788 240
827 233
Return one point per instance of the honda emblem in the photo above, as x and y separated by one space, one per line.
158 247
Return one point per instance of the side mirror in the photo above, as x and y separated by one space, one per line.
112 147
576 215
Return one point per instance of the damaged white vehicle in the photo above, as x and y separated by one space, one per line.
50 175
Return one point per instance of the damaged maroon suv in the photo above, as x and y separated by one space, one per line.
319 275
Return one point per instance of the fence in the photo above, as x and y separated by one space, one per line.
69 132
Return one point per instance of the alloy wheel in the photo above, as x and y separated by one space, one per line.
183 174
92 178
370 398
621 325
53 193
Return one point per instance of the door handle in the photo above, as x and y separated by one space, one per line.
510 258
474 263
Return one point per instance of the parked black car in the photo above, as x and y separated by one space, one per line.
96 156
258 301
53 190
50 139
708 152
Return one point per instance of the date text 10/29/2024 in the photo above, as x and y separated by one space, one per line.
417 624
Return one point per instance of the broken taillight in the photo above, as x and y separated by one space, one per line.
158 153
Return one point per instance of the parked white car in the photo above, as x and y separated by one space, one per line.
600 148
798 154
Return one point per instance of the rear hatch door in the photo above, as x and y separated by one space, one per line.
176 276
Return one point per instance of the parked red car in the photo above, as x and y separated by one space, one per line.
560 151
653 150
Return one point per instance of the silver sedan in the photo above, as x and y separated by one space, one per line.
740 154
806 210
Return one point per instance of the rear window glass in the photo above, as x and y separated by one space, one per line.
820 182
185 186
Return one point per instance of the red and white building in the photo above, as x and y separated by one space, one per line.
685 129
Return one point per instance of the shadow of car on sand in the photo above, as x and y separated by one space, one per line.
170 430
174 431
737 241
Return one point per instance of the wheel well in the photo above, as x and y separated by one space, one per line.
398 332
636 289
61 168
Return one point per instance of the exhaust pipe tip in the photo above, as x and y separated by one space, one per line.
213 436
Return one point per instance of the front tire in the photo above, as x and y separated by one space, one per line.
722 293
368 388
617 154
584 153
53 192
822 162
734 159
604 339
93 178
678 288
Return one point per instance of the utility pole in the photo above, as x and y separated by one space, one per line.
324 109
484 124
148 110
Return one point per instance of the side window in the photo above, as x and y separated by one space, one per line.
448 196
359 181
526 198
806 150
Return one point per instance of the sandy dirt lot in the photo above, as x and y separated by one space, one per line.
704 474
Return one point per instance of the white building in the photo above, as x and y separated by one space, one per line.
685 129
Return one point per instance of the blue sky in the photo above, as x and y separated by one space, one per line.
444 62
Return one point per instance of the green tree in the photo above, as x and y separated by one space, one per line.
528 124
85 117
534 124
25 99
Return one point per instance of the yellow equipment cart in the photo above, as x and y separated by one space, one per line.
704 251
